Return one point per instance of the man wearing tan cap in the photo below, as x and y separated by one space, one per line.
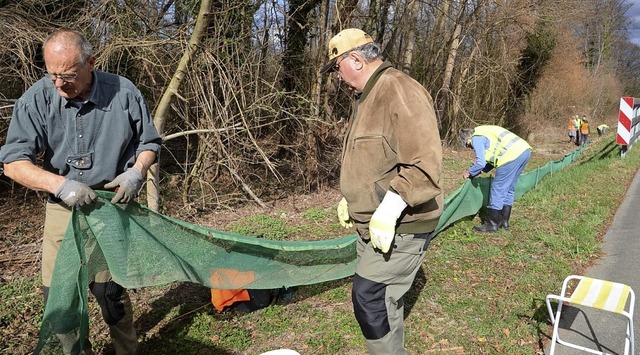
390 180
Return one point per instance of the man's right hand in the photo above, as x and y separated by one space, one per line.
75 193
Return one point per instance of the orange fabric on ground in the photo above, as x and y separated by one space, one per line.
224 298
225 279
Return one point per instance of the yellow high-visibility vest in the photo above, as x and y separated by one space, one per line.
576 123
504 146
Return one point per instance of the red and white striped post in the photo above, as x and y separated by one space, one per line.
628 120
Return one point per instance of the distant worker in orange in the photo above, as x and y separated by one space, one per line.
572 130
584 131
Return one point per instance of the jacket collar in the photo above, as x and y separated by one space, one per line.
373 80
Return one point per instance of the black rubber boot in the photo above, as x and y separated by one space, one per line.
491 223
506 214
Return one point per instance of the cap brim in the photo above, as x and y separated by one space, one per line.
329 67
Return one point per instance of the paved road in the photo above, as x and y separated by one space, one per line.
620 263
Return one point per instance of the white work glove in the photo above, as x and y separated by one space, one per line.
382 226
75 193
128 185
343 214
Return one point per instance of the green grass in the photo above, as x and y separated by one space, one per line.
475 294
316 223
263 226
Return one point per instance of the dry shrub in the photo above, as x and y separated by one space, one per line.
568 88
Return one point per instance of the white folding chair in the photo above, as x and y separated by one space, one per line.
594 293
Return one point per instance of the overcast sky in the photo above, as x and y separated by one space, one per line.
634 14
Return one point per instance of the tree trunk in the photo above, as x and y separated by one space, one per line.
407 58
153 175
448 98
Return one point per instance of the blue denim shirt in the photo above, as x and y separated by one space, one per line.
92 142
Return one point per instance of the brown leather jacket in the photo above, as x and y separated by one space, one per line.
393 142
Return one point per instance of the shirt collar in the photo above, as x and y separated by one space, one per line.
93 96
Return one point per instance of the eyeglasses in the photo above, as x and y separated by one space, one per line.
337 66
67 78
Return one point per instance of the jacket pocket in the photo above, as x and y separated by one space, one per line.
366 165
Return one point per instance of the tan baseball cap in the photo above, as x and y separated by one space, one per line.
346 40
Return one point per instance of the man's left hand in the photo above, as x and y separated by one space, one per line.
128 185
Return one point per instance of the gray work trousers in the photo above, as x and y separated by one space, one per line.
380 282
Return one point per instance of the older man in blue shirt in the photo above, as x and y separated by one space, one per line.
95 132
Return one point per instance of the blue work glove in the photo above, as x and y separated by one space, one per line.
127 185
382 227
75 193
343 214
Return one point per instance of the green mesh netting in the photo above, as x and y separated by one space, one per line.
144 248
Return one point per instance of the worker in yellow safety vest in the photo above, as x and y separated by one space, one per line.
496 147
577 122
602 129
